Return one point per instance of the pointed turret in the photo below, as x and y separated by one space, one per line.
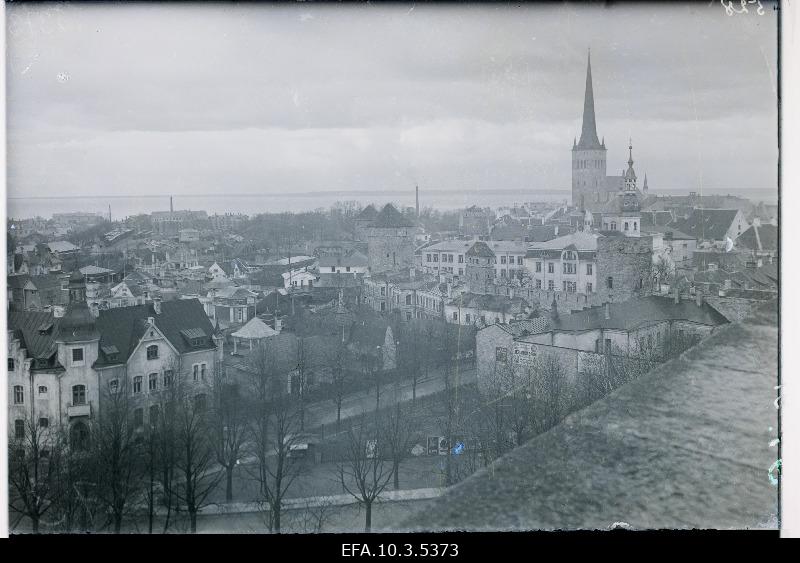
644 186
630 174
589 138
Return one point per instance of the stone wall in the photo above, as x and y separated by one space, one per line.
628 262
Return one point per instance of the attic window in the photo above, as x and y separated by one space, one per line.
45 328
110 351
195 336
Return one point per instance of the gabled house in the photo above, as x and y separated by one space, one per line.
61 370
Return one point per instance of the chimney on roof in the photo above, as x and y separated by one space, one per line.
698 297
607 309
151 321
157 305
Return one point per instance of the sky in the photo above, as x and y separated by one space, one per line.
141 100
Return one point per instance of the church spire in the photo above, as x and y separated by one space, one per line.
589 138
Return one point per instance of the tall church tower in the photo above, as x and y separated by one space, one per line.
588 154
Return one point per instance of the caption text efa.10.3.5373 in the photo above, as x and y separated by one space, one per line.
400 550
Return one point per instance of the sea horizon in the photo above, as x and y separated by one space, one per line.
23 207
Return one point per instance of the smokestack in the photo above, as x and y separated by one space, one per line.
417 194
170 206
607 308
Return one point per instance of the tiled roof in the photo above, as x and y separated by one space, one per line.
497 303
763 238
633 313
123 327
368 213
708 224
391 218
27 325
353 258
480 248
581 240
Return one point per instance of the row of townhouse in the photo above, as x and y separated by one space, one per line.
449 257
650 327
567 263
61 371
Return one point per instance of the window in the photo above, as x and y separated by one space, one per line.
550 268
502 259
608 345
427 257
569 268
589 287
152 352
347 268
610 282
538 284
196 370
383 291
383 306
538 266
113 385
588 269
519 260
551 285
138 418
203 372
460 258
634 225
77 356
42 390
455 316
466 318
19 429
78 395
435 257
501 354
11 364
19 395
152 383
137 384
626 225
44 422
167 377
570 287
502 273
408 299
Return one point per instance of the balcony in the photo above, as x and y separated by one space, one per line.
79 410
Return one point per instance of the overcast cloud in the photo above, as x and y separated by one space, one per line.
143 100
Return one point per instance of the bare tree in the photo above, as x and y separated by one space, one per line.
339 379
117 442
195 458
33 465
314 515
364 472
398 437
273 431
301 376
228 426
548 379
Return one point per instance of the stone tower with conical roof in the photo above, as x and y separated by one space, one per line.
588 153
